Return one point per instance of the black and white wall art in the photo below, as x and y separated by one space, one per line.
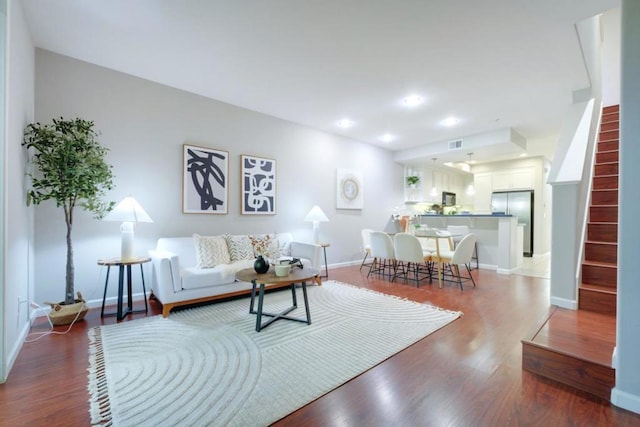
205 180
258 185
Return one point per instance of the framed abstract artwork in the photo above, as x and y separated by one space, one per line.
349 191
258 185
205 180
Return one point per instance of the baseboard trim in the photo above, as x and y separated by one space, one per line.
564 303
12 356
624 400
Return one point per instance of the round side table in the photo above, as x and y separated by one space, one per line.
121 264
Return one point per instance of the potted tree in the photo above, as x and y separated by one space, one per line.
70 168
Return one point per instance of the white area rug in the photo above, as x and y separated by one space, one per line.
208 365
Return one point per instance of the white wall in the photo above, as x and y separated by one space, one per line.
145 124
17 280
626 393
611 57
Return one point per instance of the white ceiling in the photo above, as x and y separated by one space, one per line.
494 64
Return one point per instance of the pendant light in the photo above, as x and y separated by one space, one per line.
470 188
434 190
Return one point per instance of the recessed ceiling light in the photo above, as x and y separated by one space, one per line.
412 100
387 137
450 121
523 155
345 123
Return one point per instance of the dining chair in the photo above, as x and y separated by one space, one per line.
411 258
366 245
436 241
383 254
458 232
461 255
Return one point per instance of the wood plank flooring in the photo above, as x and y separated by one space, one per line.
466 374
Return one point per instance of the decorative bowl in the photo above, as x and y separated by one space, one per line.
283 269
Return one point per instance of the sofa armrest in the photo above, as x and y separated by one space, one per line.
165 273
311 251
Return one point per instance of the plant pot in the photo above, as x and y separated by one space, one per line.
63 314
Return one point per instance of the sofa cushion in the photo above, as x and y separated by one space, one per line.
284 244
223 274
239 247
211 251
194 278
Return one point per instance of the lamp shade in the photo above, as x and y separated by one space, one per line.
316 215
128 210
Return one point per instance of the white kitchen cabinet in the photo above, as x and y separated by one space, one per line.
501 181
523 179
513 179
482 183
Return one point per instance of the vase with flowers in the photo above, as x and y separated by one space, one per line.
260 248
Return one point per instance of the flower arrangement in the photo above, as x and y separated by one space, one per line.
260 244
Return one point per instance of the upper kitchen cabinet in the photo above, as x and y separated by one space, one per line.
513 179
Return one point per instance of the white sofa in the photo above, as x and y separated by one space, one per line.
179 276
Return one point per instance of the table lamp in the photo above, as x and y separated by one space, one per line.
128 211
316 216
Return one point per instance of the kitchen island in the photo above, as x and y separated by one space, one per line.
497 237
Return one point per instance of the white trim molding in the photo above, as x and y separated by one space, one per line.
625 400
564 303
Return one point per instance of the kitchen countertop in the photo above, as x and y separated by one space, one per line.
466 215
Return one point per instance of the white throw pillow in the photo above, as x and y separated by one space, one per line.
240 247
211 251
283 246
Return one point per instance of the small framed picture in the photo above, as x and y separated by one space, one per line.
349 189
258 185
205 180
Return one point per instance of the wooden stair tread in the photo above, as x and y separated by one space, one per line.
596 242
598 288
586 335
600 263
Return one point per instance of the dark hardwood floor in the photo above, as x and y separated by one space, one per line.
467 374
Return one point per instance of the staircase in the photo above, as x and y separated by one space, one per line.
600 267
574 347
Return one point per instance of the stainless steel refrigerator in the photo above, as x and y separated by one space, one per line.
520 204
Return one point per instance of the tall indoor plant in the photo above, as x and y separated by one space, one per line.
70 168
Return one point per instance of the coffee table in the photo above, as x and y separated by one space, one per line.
270 280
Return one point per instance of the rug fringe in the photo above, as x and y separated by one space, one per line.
99 404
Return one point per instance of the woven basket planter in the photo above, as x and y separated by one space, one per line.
63 314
